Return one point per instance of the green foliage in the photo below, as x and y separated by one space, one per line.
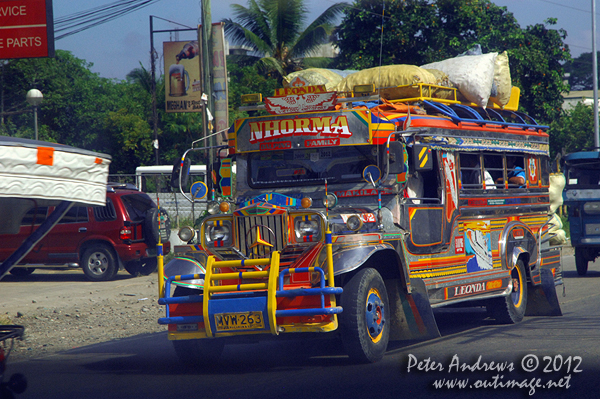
417 32
274 29
83 110
246 80
573 131
581 72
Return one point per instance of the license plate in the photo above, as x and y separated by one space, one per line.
239 321
187 327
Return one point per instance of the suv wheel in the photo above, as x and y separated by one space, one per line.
99 263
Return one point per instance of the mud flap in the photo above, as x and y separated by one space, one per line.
412 316
542 299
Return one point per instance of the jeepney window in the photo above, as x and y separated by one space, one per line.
515 171
545 170
494 165
310 166
584 174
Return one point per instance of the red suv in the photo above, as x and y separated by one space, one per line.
99 239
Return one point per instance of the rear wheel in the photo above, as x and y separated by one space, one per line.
363 323
581 260
141 267
99 263
511 309
22 271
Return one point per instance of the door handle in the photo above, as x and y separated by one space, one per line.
82 229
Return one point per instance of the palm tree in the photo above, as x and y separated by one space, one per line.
273 29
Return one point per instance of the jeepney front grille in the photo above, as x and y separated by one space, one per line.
272 230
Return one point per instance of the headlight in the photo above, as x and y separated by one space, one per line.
186 234
592 208
354 223
307 229
218 233
330 201
213 207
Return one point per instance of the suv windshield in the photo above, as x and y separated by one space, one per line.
137 205
310 166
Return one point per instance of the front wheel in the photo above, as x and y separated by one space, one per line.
363 323
99 263
511 309
581 261
197 352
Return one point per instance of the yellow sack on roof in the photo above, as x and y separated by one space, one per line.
502 80
388 78
314 77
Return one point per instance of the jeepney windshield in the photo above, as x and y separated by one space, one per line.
310 166
584 174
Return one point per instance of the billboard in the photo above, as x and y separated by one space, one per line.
183 84
26 29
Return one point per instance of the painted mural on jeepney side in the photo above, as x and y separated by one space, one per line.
478 246
451 186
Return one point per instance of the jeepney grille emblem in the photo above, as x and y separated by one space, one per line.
258 236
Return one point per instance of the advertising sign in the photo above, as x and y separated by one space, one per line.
26 29
183 84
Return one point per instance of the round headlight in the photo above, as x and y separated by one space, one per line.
186 233
330 201
219 233
354 223
212 207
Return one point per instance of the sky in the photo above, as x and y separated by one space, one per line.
117 47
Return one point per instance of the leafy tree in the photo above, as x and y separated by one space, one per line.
421 31
573 131
274 29
246 80
581 72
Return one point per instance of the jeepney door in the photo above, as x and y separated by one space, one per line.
431 204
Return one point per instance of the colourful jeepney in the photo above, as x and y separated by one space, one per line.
356 217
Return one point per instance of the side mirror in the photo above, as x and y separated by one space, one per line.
398 158
185 174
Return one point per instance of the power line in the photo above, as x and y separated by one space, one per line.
80 21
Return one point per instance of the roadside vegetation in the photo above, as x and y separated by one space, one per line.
85 110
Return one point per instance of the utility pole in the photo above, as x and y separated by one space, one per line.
595 73
206 48
153 90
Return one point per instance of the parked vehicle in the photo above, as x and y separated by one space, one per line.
99 239
582 197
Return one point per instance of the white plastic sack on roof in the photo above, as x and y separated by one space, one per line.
473 75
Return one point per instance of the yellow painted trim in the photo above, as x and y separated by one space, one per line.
272 292
207 293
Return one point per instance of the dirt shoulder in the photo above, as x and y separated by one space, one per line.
63 310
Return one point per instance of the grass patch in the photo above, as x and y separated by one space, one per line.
5 320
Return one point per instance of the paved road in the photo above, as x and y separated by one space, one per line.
472 351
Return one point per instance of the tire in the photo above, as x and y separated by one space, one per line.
511 309
99 263
148 266
151 229
581 261
197 352
363 323
141 267
22 271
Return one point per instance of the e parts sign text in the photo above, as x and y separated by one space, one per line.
26 29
